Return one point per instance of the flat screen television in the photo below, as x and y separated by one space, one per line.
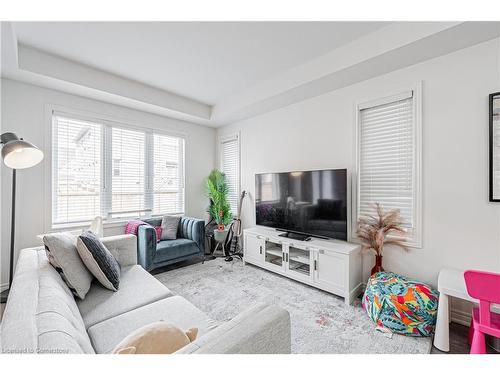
312 203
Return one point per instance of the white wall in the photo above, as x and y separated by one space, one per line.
460 227
24 109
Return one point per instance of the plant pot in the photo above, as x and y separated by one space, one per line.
378 265
220 235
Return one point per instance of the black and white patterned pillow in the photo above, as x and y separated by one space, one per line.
100 262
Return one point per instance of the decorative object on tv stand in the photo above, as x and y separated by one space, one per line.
494 129
219 209
16 154
373 231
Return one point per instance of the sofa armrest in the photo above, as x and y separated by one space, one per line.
193 229
262 329
146 245
123 247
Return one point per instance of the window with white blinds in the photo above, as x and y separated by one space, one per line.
388 159
77 167
168 182
127 188
102 168
230 166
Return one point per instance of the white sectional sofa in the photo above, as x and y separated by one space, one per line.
42 316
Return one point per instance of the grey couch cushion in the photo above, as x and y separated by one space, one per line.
123 247
63 255
58 319
41 315
137 288
172 249
262 329
176 310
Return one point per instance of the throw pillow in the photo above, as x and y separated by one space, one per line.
100 262
169 225
63 256
158 234
156 338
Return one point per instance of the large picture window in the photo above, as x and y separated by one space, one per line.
389 159
102 168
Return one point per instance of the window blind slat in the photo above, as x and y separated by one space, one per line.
230 166
127 183
77 160
387 158
168 184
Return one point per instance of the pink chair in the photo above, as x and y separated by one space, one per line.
484 286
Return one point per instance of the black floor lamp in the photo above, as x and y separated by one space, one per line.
16 154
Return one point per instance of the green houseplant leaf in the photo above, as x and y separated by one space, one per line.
217 192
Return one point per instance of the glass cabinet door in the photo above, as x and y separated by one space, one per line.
274 254
299 261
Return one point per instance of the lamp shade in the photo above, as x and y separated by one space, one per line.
18 153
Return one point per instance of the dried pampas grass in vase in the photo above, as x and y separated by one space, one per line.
373 232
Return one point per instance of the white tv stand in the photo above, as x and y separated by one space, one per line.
331 265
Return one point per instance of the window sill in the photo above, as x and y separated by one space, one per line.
81 226
106 225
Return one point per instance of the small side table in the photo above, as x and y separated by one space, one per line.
451 283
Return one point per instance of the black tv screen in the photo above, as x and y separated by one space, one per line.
306 202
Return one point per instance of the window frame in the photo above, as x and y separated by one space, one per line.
106 171
225 138
415 238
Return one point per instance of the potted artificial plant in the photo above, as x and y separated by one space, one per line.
373 232
219 209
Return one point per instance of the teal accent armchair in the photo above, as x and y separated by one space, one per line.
190 243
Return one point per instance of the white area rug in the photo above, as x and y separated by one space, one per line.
321 322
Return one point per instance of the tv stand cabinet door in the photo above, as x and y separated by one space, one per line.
330 272
254 249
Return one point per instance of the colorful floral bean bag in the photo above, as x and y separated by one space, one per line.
404 306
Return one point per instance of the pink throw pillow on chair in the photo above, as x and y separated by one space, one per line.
158 234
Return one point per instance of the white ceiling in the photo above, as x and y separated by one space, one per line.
220 72
204 61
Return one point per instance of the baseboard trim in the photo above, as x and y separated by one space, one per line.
460 317
356 292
